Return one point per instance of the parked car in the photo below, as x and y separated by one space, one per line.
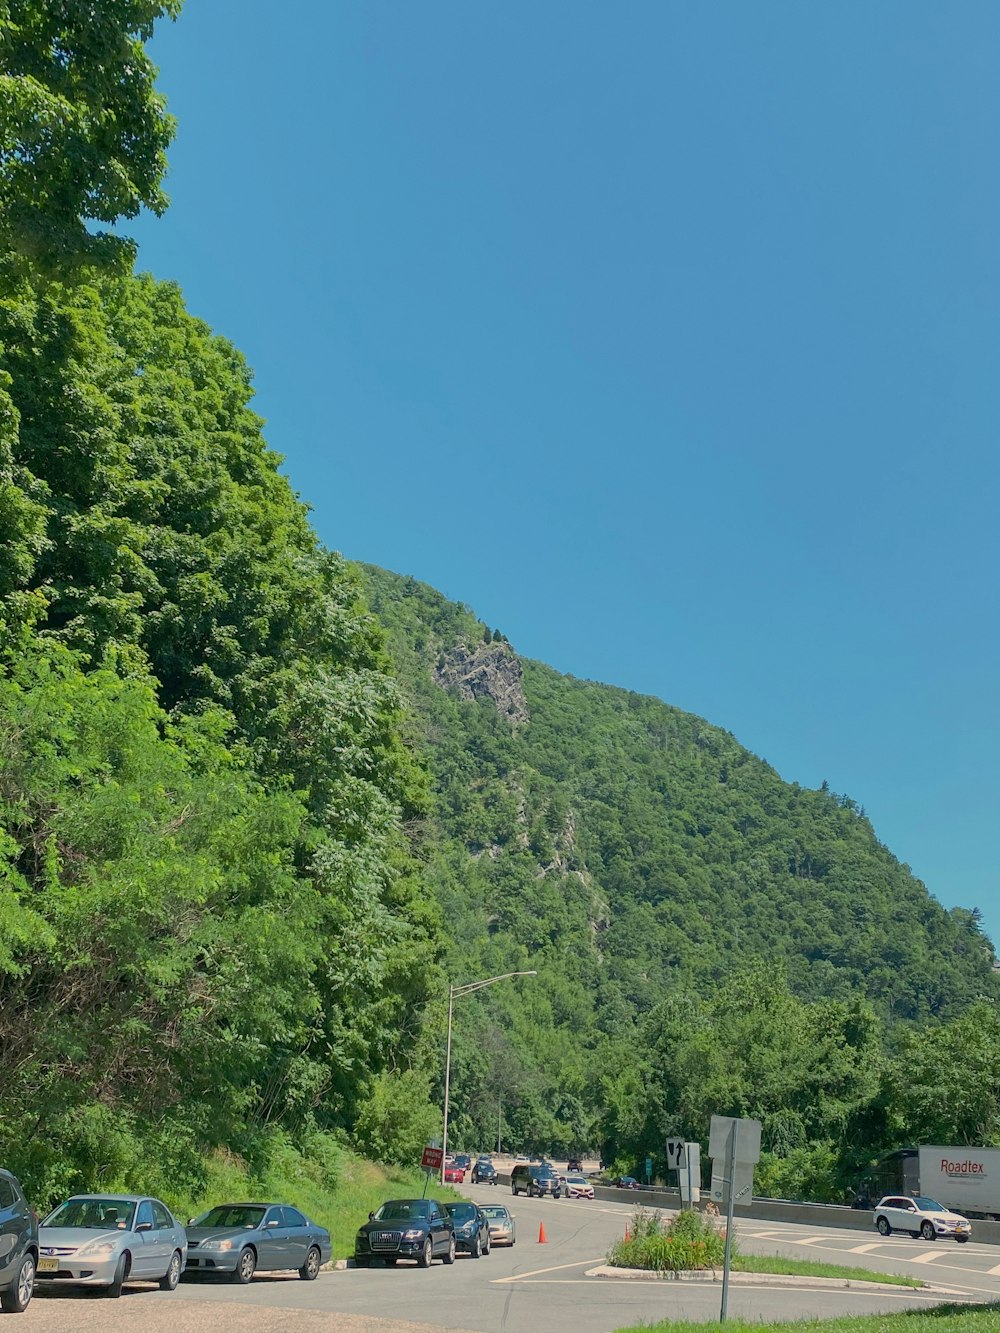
529 1179
578 1187
454 1174
106 1240
472 1229
501 1221
484 1172
18 1246
626 1183
920 1216
406 1229
236 1240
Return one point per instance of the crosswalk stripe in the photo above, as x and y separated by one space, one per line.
865 1249
927 1257
811 1240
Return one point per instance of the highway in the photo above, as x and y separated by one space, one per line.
536 1286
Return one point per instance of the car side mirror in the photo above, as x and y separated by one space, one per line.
190 1222
144 1226
371 1217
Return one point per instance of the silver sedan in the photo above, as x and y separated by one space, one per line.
105 1240
501 1220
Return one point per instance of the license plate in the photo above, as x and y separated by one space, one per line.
48 1265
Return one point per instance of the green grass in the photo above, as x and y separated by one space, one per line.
945 1319
770 1263
338 1190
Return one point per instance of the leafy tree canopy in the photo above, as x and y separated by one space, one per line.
83 132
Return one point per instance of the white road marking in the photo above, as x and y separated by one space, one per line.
864 1249
992 1272
927 1257
556 1268
811 1240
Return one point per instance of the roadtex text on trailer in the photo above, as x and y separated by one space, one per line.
965 1179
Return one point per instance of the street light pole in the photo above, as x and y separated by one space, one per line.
453 993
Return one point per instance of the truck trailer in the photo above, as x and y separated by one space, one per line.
966 1180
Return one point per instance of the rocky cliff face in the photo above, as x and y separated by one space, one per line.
485 671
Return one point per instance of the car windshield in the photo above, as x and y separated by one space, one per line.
462 1212
495 1210
575 1180
398 1210
928 1205
230 1215
93 1214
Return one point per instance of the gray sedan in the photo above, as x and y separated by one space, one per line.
238 1239
104 1240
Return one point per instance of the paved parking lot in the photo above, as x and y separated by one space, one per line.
531 1286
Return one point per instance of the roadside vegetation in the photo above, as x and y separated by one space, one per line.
943 1319
693 1241
332 1185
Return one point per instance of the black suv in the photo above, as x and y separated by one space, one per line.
406 1229
18 1246
529 1178
484 1172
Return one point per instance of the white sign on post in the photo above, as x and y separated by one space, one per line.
690 1174
747 1143
675 1154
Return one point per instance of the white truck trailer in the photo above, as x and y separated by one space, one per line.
965 1179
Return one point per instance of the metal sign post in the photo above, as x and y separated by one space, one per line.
735 1144
730 1172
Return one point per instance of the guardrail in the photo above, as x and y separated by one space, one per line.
774 1210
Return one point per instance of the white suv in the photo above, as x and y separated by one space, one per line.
920 1216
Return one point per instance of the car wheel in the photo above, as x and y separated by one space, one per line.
426 1254
477 1249
15 1299
961 1239
246 1266
121 1273
172 1276
884 1228
449 1254
487 1244
310 1269
927 1230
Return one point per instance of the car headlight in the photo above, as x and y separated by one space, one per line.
414 1233
97 1249
217 1245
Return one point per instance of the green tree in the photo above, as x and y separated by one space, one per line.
83 132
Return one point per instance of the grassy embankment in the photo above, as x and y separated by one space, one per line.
945 1319
338 1192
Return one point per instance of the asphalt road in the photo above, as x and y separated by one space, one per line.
532 1286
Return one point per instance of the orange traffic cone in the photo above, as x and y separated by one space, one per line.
542 1238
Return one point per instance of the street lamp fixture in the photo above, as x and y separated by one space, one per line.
453 993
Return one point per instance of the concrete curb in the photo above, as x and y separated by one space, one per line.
760 1280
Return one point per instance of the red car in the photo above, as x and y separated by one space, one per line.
454 1174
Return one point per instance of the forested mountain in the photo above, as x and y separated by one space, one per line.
663 881
239 836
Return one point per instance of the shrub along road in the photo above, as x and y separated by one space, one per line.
529 1286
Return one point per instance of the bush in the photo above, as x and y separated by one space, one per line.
690 1241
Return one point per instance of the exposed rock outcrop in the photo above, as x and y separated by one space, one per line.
485 671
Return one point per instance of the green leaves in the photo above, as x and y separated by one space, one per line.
83 133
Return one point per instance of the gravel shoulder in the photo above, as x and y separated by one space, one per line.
161 1314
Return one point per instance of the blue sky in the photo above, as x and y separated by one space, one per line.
663 334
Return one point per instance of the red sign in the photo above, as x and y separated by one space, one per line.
432 1158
